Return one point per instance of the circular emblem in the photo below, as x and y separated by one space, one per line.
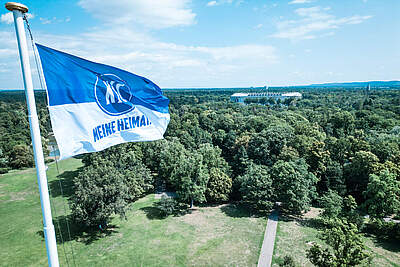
113 95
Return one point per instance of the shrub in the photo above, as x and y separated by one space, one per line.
169 206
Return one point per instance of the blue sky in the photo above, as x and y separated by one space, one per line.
219 43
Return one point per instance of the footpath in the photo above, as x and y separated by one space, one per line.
267 248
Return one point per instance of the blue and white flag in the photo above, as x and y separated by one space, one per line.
94 106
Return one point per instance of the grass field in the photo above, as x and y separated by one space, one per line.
224 235
295 236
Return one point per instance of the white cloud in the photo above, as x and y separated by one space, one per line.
167 64
300 2
151 13
54 20
258 26
221 2
314 22
8 17
47 21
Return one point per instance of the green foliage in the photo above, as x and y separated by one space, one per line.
265 147
3 160
169 157
332 204
219 183
256 188
15 139
3 163
21 156
219 186
288 261
100 192
110 180
190 178
331 140
346 247
169 206
363 164
294 185
333 178
389 231
382 195
342 123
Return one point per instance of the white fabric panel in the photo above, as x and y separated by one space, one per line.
74 126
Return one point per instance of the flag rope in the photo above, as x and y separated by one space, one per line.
58 171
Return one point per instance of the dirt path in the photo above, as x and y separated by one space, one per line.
267 248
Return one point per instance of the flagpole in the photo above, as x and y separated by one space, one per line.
18 10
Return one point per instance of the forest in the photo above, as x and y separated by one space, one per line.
337 149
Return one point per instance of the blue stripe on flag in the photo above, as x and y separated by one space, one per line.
73 80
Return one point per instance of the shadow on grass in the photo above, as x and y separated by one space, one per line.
312 223
388 244
77 232
155 213
67 182
315 223
237 210
384 236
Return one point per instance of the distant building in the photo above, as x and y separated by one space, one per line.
240 97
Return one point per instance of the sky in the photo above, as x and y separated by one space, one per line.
218 43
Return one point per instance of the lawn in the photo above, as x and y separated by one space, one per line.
224 235
296 234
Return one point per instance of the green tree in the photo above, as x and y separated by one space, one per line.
362 165
169 157
110 180
212 157
219 186
382 195
21 156
256 187
3 160
332 203
294 185
333 178
265 147
100 192
346 247
190 178
343 123
219 183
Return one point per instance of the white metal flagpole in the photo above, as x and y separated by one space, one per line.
18 10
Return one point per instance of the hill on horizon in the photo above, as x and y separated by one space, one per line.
379 84
393 83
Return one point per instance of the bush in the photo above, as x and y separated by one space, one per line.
169 206
346 247
288 261
332 204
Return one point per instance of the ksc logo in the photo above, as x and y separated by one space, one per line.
113 95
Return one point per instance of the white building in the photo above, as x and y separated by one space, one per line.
240 97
